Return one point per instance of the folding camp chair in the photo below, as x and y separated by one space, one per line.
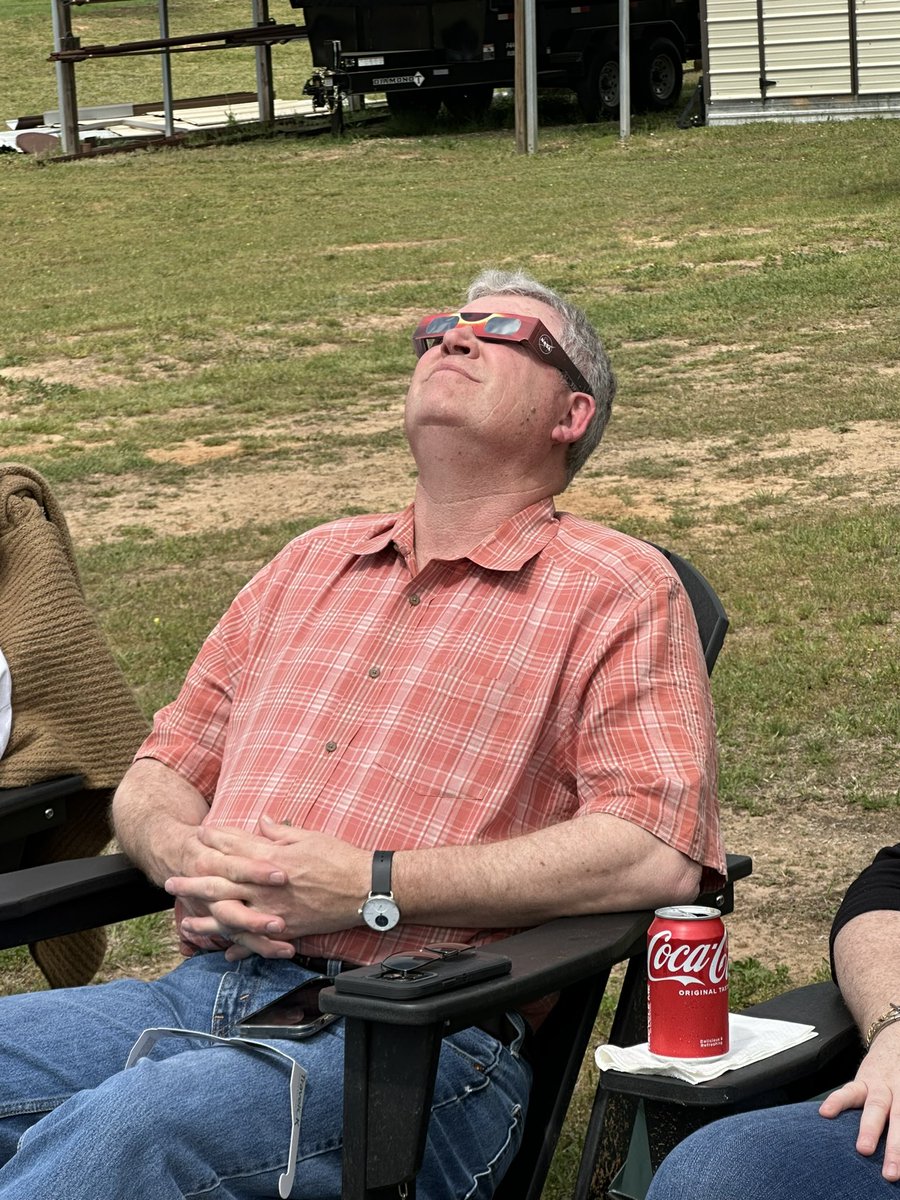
392 1046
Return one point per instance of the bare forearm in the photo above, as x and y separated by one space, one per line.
867 966
155 814
594 864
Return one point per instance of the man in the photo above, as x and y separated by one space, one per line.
510 701
792 1153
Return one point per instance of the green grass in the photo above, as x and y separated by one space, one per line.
258 298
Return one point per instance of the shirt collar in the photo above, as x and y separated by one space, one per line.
508 548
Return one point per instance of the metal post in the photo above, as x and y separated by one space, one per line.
166 60
265 90
531 76
624 70
65 76
525 79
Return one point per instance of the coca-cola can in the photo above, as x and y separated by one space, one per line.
687 982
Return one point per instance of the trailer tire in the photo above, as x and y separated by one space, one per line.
660 76
469 103
419 106
598 93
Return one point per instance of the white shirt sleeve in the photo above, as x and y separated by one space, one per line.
5 703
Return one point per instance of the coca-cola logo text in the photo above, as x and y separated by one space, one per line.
699 964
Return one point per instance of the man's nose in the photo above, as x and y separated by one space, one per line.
460 340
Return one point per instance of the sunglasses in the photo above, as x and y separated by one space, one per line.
503 327
413 965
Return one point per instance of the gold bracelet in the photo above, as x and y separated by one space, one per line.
888 1018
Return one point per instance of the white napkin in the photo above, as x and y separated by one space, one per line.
752 1039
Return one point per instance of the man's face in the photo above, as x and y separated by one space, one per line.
498 393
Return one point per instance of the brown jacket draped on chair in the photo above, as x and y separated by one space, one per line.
73 712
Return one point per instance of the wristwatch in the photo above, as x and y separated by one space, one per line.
380 911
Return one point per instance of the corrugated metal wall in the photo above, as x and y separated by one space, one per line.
878 39
768 51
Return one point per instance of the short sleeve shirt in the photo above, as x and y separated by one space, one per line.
554 672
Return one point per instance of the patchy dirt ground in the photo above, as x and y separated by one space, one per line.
803 861
705 475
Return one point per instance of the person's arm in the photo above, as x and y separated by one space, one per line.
596 863
157 816
867 970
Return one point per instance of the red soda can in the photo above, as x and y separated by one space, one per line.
687 983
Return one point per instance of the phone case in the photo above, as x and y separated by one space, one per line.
289 1033
441 976
294 1015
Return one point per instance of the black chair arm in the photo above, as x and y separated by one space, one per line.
818 1004
544 959
36 795
31 809
392 1046
78 893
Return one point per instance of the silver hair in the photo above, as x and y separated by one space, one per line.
580 341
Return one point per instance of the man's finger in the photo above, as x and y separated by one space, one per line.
232 841
238 916
875 1115
263 946
207 888
228 918
238 867
851 1095
890 1168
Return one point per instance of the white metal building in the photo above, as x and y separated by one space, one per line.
801 60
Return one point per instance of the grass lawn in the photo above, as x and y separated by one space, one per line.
206 350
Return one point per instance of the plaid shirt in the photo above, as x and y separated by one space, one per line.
555 671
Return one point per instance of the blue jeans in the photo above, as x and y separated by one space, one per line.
199 1119
786 1153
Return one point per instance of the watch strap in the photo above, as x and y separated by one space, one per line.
381 872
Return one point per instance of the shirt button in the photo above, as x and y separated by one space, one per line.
414 600
374 672
329 746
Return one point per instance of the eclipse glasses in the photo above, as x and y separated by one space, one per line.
503 327
409 965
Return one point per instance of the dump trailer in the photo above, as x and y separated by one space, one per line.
456 52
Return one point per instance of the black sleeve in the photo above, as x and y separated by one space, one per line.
878 887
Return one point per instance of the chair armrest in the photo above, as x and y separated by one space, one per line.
739 866
18 799
544 959
818 1004
77 893
391 1046
33 809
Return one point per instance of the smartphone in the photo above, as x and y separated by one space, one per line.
442 975
295 1015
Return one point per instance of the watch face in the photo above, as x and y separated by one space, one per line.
380 913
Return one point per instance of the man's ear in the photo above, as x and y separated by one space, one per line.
576 419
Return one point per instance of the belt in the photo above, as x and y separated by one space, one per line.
321 965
